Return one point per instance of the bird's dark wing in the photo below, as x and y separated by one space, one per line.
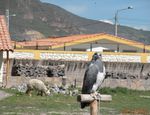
88 82
89 79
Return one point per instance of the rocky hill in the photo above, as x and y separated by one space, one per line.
35 19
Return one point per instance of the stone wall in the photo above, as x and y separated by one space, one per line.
130 75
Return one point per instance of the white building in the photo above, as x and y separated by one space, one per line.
100 42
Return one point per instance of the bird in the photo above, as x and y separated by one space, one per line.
93 77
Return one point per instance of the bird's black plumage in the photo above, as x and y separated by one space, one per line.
90 77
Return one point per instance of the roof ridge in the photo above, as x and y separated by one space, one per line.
125 38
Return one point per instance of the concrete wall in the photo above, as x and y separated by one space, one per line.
136 84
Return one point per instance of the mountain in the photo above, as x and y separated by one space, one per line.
35 19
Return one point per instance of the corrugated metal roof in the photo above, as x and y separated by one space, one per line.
5 41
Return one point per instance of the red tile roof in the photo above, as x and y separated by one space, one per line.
5 42
57 41
68 39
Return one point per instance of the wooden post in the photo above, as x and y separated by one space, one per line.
94 107
93 102
7 68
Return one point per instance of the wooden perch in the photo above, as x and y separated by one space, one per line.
93 100
89 98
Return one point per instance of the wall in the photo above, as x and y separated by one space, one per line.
136 84
130 75
79 56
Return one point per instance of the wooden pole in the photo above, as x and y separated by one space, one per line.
7 68
94 107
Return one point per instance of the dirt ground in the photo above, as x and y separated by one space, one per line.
4 95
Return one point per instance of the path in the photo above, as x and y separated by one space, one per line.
4 94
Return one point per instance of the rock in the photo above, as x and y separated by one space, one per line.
22 88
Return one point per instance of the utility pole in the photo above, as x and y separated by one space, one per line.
7 14
116 18
7 18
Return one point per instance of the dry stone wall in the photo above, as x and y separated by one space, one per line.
130 75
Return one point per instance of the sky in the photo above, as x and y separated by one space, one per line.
104 10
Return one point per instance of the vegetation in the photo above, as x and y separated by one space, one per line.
128 101
124 101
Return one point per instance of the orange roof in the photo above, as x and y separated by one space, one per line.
56 41
5 42
74 39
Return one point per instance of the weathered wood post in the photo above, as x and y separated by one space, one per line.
93 101
7 68
94 107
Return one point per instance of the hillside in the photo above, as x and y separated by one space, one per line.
35 19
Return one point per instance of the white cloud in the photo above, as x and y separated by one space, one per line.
107 21
76 9
147 28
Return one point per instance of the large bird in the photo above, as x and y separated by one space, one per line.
94 76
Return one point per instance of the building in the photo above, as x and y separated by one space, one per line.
79 48
127 62
5 46
101 42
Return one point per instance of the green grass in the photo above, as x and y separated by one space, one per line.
124 101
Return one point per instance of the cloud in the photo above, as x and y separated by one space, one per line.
107 21
76 9
147 28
